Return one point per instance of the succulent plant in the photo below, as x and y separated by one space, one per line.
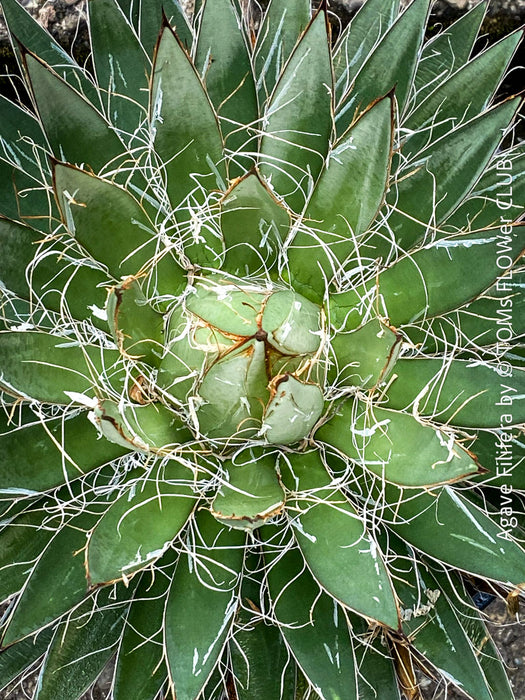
261 373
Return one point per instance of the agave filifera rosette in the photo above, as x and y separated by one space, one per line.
260 358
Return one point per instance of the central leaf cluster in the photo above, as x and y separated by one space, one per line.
244 361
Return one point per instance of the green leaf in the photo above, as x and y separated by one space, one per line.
22 541
495 316
146 16
72 125
352 209
391 64
256 645
377 675
136 327
334 230
293 410
334 541
34 38
280 30
447 51
433 626
444 525
471 666
201 604
250 493
453 102
138 528
121 65
499 192
151 427
140 668
469 393
220 303
395 446
17 122
177 18
227 72
57 582
50 368
58 279
35 197
502 452
187 135
351 310
298 120
292 323
17 658
15 311
444 174
97 210
56 578
359 38
81 647
189 350
363 357
254 225
436 279
238 410
311 621
39 455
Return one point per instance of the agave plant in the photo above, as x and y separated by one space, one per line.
260 365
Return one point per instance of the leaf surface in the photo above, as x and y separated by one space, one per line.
121 65
359 39
139 526
334 542
447 51
36 39
254 225
281 28
187 134
227 72
137 329
257 645
44 367
446 526
57 278
93 209
391 64
453 102
353 181
292 152
444 174
436 279
72 125
57 582
364 356
81 647
459 392
18 657
41 455
251 494
312 623
396 447
201 604
140 668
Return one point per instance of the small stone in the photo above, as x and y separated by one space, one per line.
46 15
